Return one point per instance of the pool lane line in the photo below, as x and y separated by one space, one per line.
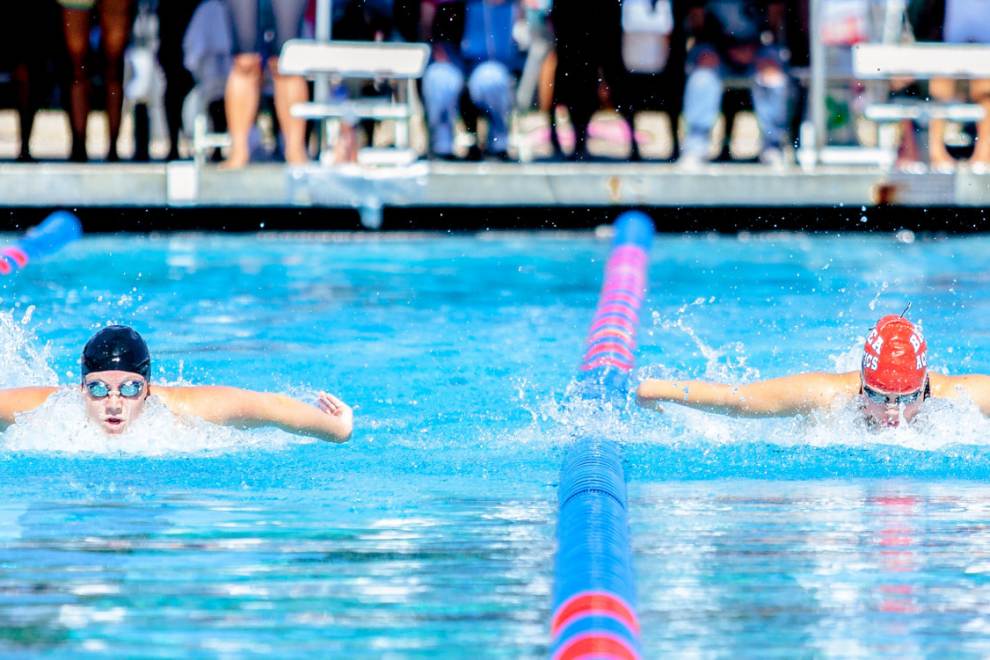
594 598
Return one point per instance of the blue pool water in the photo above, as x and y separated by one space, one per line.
431 533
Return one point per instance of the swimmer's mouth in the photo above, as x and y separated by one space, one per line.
114 421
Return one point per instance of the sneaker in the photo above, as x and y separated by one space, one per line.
691 160
772 156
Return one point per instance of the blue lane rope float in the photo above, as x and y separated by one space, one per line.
51 235
594 602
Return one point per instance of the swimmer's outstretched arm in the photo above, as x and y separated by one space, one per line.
331 419
21 399
777 397
973 386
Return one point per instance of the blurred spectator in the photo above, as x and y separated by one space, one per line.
588 40
144 83
115 17
735 38
537 77
954 21
207 54
243 92
25 47
173 19
539 48
653 55
797 27
482 59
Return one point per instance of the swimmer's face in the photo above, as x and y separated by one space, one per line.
886 409
125 395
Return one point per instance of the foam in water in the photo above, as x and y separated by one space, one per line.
24 364
61 425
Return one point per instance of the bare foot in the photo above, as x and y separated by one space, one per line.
940 160
236 160
296 156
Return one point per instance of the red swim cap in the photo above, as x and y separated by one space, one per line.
895 357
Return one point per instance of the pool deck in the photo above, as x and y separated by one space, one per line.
495 187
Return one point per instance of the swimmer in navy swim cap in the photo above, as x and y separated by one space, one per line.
116 369
892 384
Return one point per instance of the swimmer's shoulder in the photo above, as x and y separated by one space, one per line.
975 386
175 397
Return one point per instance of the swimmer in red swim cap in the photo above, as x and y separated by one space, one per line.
891 385
894 374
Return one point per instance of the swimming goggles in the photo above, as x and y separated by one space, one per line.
129 390
881 399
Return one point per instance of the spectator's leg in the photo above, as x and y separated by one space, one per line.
941 89
290 90
242 95
529 81
218 119
442 85
142 133
26 109
908 147
770 105
173 20
470 114
979 90
116 17
241 98
75 24
702 100
544 94
490 86
547 100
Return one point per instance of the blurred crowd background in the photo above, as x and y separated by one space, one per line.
507 80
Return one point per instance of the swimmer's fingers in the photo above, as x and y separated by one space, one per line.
330 404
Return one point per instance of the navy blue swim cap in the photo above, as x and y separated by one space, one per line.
116 348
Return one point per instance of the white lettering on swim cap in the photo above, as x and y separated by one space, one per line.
915 342
921 361
877 345
870 362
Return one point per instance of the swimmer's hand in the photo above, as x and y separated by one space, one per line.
334 407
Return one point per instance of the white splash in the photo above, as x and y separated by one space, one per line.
23 363
61 425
